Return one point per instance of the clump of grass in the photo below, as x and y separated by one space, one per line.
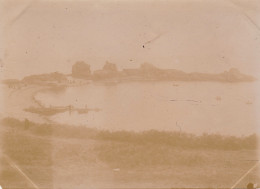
182 140
147 155
45 129
27 150
153 137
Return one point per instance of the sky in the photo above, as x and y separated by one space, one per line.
210 36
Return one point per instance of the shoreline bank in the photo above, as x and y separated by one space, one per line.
16 100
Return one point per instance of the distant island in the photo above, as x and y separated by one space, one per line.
146 72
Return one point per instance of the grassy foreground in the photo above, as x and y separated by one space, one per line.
65 156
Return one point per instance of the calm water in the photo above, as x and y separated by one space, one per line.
195 107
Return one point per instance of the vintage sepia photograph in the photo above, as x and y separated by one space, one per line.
136 94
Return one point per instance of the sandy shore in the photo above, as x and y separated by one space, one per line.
16 100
